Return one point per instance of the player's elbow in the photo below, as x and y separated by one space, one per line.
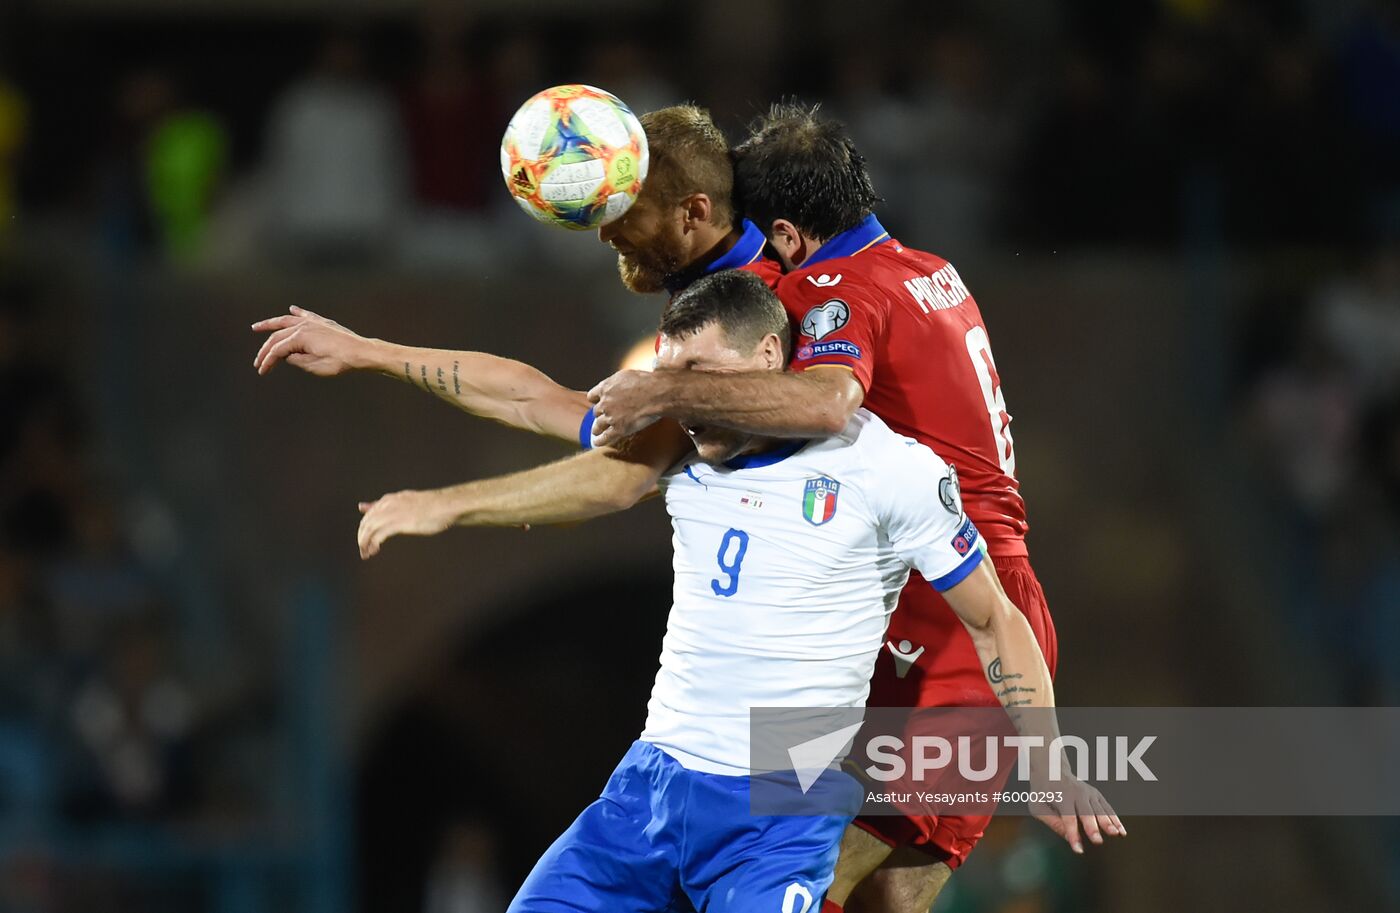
830 421
833 413
620 494
982 607
839 396
628 497
982 628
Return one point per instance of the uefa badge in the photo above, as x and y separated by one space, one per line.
966 538
950 492
819 500
826 318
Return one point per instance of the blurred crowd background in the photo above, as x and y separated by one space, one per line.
1182 222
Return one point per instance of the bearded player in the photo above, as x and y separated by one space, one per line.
897 331
789 611
836 376
682 225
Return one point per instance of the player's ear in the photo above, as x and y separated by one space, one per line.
770 351
786 239
697 208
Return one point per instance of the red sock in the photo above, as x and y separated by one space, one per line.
830 907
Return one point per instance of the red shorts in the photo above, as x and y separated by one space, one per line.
928 661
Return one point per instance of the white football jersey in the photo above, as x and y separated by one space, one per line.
787 567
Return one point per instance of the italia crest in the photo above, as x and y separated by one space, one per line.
819 500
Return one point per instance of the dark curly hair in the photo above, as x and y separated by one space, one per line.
802 167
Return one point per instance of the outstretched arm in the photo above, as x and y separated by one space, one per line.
587 485
915 494
500 389
814 403
1016 670
1011 657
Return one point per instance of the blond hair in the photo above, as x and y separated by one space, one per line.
689 155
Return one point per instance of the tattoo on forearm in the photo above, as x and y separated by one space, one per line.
1010 694
1016 697
996 676
426 380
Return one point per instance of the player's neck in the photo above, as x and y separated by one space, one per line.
764 452
759 444
712 242
810 246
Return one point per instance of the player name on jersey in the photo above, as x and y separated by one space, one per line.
938 292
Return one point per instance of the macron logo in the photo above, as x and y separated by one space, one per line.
905 656
811 758
824 280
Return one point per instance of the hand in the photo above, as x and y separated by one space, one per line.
623 405
1082 806
403 513
316 344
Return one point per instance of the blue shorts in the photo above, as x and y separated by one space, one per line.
664 838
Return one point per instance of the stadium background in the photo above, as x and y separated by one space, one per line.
1181 219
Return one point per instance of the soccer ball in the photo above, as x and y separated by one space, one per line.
574 156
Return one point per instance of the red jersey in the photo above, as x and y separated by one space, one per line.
770 271
905 324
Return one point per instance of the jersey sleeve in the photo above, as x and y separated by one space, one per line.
920 508
836 321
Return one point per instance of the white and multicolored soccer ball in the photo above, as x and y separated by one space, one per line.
574 156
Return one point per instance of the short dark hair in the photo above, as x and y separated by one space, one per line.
689 154
799 166
741 303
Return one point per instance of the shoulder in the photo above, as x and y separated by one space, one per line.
868 432
873 444
906 253
821 303
892 462
828 279
770 271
